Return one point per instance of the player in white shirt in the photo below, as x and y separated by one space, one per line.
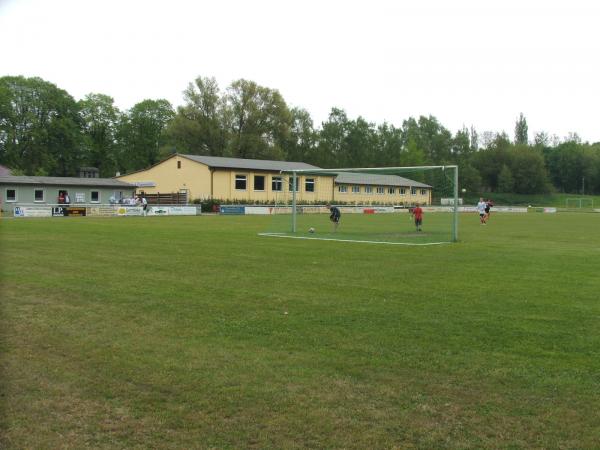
481 210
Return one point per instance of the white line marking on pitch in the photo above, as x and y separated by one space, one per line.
282 235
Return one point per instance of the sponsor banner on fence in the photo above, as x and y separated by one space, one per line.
130 211
104 211
75 211
173 211
32 211
550 210
158 211
230 210
261 210
59 211
379 209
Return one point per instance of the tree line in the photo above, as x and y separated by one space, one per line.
45 131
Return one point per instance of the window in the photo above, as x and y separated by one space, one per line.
291 184
413 191
368 189
342 188
11 195
240 182
423 192
79 197
179 164
309 185
259 182
38 195
276 184
356 189
402 191
380 190
391 190
95 196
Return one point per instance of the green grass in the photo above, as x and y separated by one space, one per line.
172 333
390 228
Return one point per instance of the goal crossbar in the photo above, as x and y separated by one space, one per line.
368 169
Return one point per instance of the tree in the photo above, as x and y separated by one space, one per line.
40 131
99 119
528 170
258 120
521 130
142 132
198 127
302 140
506 182
331 139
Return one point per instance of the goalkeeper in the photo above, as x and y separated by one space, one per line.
335 216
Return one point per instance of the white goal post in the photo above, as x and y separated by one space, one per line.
374 170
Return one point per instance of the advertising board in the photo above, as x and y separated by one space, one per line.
231 210
32 211
101 211
129 211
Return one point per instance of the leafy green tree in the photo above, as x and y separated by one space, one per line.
332 138
431 137
506 182
142 133
489 161
469 179
528 170
198 127
258 121
359 144
521 131
302 139
40 131
389 146
99 119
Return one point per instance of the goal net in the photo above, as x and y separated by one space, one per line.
580 202
376 205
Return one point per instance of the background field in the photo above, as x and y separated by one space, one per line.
172 333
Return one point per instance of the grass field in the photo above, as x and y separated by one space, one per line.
197 333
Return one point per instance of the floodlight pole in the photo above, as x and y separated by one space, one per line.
455 212
294 202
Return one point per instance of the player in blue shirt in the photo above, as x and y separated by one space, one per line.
335 216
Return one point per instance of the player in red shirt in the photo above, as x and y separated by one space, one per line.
417 213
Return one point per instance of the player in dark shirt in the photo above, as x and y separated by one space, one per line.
335 216
488 205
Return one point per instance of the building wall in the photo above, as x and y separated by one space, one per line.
224 183
173 175
178 173
26 194
422 195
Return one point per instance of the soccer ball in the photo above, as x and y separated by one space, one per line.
311 230
463 190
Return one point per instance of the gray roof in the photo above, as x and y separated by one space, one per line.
4 171
377 180
251 164
65 181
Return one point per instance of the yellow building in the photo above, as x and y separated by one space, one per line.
252 180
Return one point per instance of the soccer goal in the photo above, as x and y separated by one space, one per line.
376 205
580 202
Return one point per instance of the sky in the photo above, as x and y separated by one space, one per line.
469 63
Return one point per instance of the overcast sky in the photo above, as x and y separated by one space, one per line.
466 62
